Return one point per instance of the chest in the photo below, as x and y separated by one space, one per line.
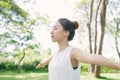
61 59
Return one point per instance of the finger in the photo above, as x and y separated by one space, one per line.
37 67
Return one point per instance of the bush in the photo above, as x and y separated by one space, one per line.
30 66
108 70
8 66
11 66
84 68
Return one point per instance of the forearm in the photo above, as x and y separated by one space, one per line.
102 61
45 62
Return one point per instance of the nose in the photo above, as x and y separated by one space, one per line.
51 31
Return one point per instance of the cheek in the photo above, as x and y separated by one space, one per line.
58 35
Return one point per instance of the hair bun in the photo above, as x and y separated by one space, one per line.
75 24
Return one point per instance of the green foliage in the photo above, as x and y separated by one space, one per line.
31 60
84 67
5 4
19 11
108 70
8 9
30 66
82 4
18 28
8 66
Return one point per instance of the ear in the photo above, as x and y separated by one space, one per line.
66 33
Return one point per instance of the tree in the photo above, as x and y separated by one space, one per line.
18 29
103 24
11 12
95 31
12 15
92 13
114 23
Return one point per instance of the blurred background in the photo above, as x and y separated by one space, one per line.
25 27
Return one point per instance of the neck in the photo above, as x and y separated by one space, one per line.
62 45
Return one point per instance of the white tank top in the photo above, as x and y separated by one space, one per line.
60 67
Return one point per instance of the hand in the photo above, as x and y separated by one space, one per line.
39 66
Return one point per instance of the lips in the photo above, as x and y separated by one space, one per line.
52 36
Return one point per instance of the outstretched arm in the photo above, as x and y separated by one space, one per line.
94 59
44 62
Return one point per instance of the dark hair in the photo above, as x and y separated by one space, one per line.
69 26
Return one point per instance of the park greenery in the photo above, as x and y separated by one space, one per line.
21 52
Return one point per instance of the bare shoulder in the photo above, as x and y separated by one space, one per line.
76 51
79 55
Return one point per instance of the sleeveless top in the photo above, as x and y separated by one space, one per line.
60 67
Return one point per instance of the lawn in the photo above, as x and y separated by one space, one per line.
44 76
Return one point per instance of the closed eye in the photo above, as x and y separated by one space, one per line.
55 28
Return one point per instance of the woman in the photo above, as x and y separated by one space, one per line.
64 64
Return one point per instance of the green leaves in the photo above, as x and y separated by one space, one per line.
4 4
10 11
18 11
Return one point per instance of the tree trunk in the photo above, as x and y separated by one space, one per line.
102 22
89 32
95 37
19 67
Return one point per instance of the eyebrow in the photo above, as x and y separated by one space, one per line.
54 26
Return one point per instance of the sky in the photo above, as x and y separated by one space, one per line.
53 8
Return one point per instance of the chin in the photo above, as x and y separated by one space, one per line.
54 40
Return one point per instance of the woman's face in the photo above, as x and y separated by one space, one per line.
58 33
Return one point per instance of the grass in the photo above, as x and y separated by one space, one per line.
44 76
104 76
23 76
